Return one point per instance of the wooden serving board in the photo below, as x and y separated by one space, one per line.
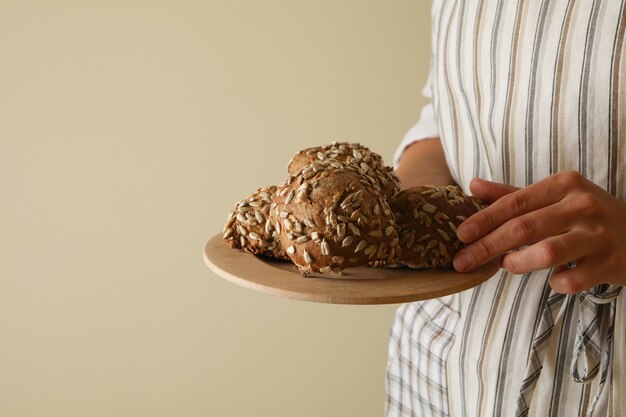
360 285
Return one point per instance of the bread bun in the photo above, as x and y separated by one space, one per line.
332 217
367 162
427 218
249 227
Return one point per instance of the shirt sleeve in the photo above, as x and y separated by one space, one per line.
425 128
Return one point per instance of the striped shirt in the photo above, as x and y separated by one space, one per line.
520 90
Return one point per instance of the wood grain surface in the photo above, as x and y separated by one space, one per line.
360 285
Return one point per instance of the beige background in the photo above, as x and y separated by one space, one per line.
127 131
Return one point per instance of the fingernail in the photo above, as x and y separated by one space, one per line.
466 231
463 261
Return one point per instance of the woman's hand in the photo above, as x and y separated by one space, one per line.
564 218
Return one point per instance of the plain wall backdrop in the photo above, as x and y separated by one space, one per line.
128 129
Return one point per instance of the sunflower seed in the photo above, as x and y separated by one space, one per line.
427 192
315 236
291 250
376 233
341 229
288 225
461 218
291 236
370 250
325 248
302 196
228 233
427 220
436 194
360 246
265 195
254 236
443 234
325 269
242 241
347 241
452 226
338 260
376 209
343 218
418 247
355 230
389 230
298 226
382 250
423 238
309 223
277 226
321 156
303 239
409 242
241 218
242 230
442 249
255 204
307 257
289 197
387 212
432 244
284 214
429 208
442 215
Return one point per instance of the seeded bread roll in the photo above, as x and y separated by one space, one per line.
427 218
249 226
331 217
368 163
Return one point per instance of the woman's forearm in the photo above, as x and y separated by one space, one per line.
424 163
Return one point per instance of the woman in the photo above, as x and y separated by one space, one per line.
528 113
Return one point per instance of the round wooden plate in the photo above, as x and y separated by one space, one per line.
360 285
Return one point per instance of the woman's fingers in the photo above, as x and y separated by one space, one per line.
523 230
585 275
555 251
489 191
541 194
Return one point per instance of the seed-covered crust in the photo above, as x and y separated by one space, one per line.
250 228
332 217
427 218
368 163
